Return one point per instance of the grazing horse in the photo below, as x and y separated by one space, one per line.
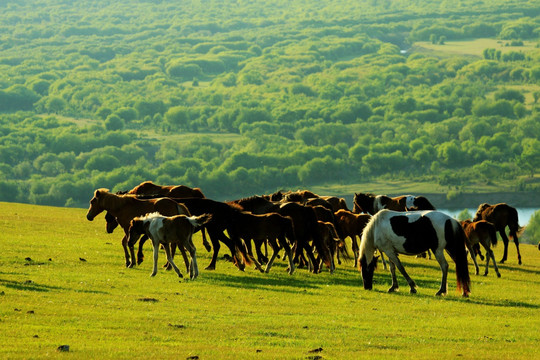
502 215
371 204
410 233
126 207
277 229
166 231
351 225
482 232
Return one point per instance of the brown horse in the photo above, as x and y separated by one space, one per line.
127 207
351 225
173 191
502 215
151 190
277 229
371 204
332 241
304 222
165 230
482 232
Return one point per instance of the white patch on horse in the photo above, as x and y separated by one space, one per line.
409 201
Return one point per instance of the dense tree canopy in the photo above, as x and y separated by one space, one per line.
240 97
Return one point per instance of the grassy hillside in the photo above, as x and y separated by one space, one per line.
74 290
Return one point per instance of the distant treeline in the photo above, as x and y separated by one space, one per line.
248 97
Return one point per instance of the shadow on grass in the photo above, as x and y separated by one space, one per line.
29 285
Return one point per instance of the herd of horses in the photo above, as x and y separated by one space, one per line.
311 229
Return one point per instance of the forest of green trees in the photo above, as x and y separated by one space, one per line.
250 96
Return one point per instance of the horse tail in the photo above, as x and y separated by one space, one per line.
513 223
455 245
492 234
367 240
198 221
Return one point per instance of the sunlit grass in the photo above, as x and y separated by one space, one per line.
474 47
74 290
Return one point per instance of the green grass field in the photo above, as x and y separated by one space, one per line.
474 47
74 290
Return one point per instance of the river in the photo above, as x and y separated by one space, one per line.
524 214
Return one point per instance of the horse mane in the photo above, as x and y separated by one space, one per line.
149 216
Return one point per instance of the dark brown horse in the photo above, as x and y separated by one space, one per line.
173 191
371 204
222 219
126 207
276 229
351 225
481 232
502 215
304 222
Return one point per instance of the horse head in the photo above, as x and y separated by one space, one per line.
95 204
367 271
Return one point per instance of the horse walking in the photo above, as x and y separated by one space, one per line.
482 232
412 233
502 215
164 230
124 208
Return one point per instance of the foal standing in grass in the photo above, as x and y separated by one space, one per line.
168 231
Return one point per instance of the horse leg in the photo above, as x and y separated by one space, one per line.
155 245
395 285
355 249
275 249
473 257
186 260
315 264
140 255
516 241
395 259
439 255
215 246
170 259
492 256
383 261
126 252
505 241
194 268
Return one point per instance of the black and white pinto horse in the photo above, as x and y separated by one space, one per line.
412 233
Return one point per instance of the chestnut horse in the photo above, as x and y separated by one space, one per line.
410 233
502 215
351 225
371 204
166 231
482 232
126 207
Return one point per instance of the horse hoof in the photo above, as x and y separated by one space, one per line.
392 289
412 291
498 275
210 267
